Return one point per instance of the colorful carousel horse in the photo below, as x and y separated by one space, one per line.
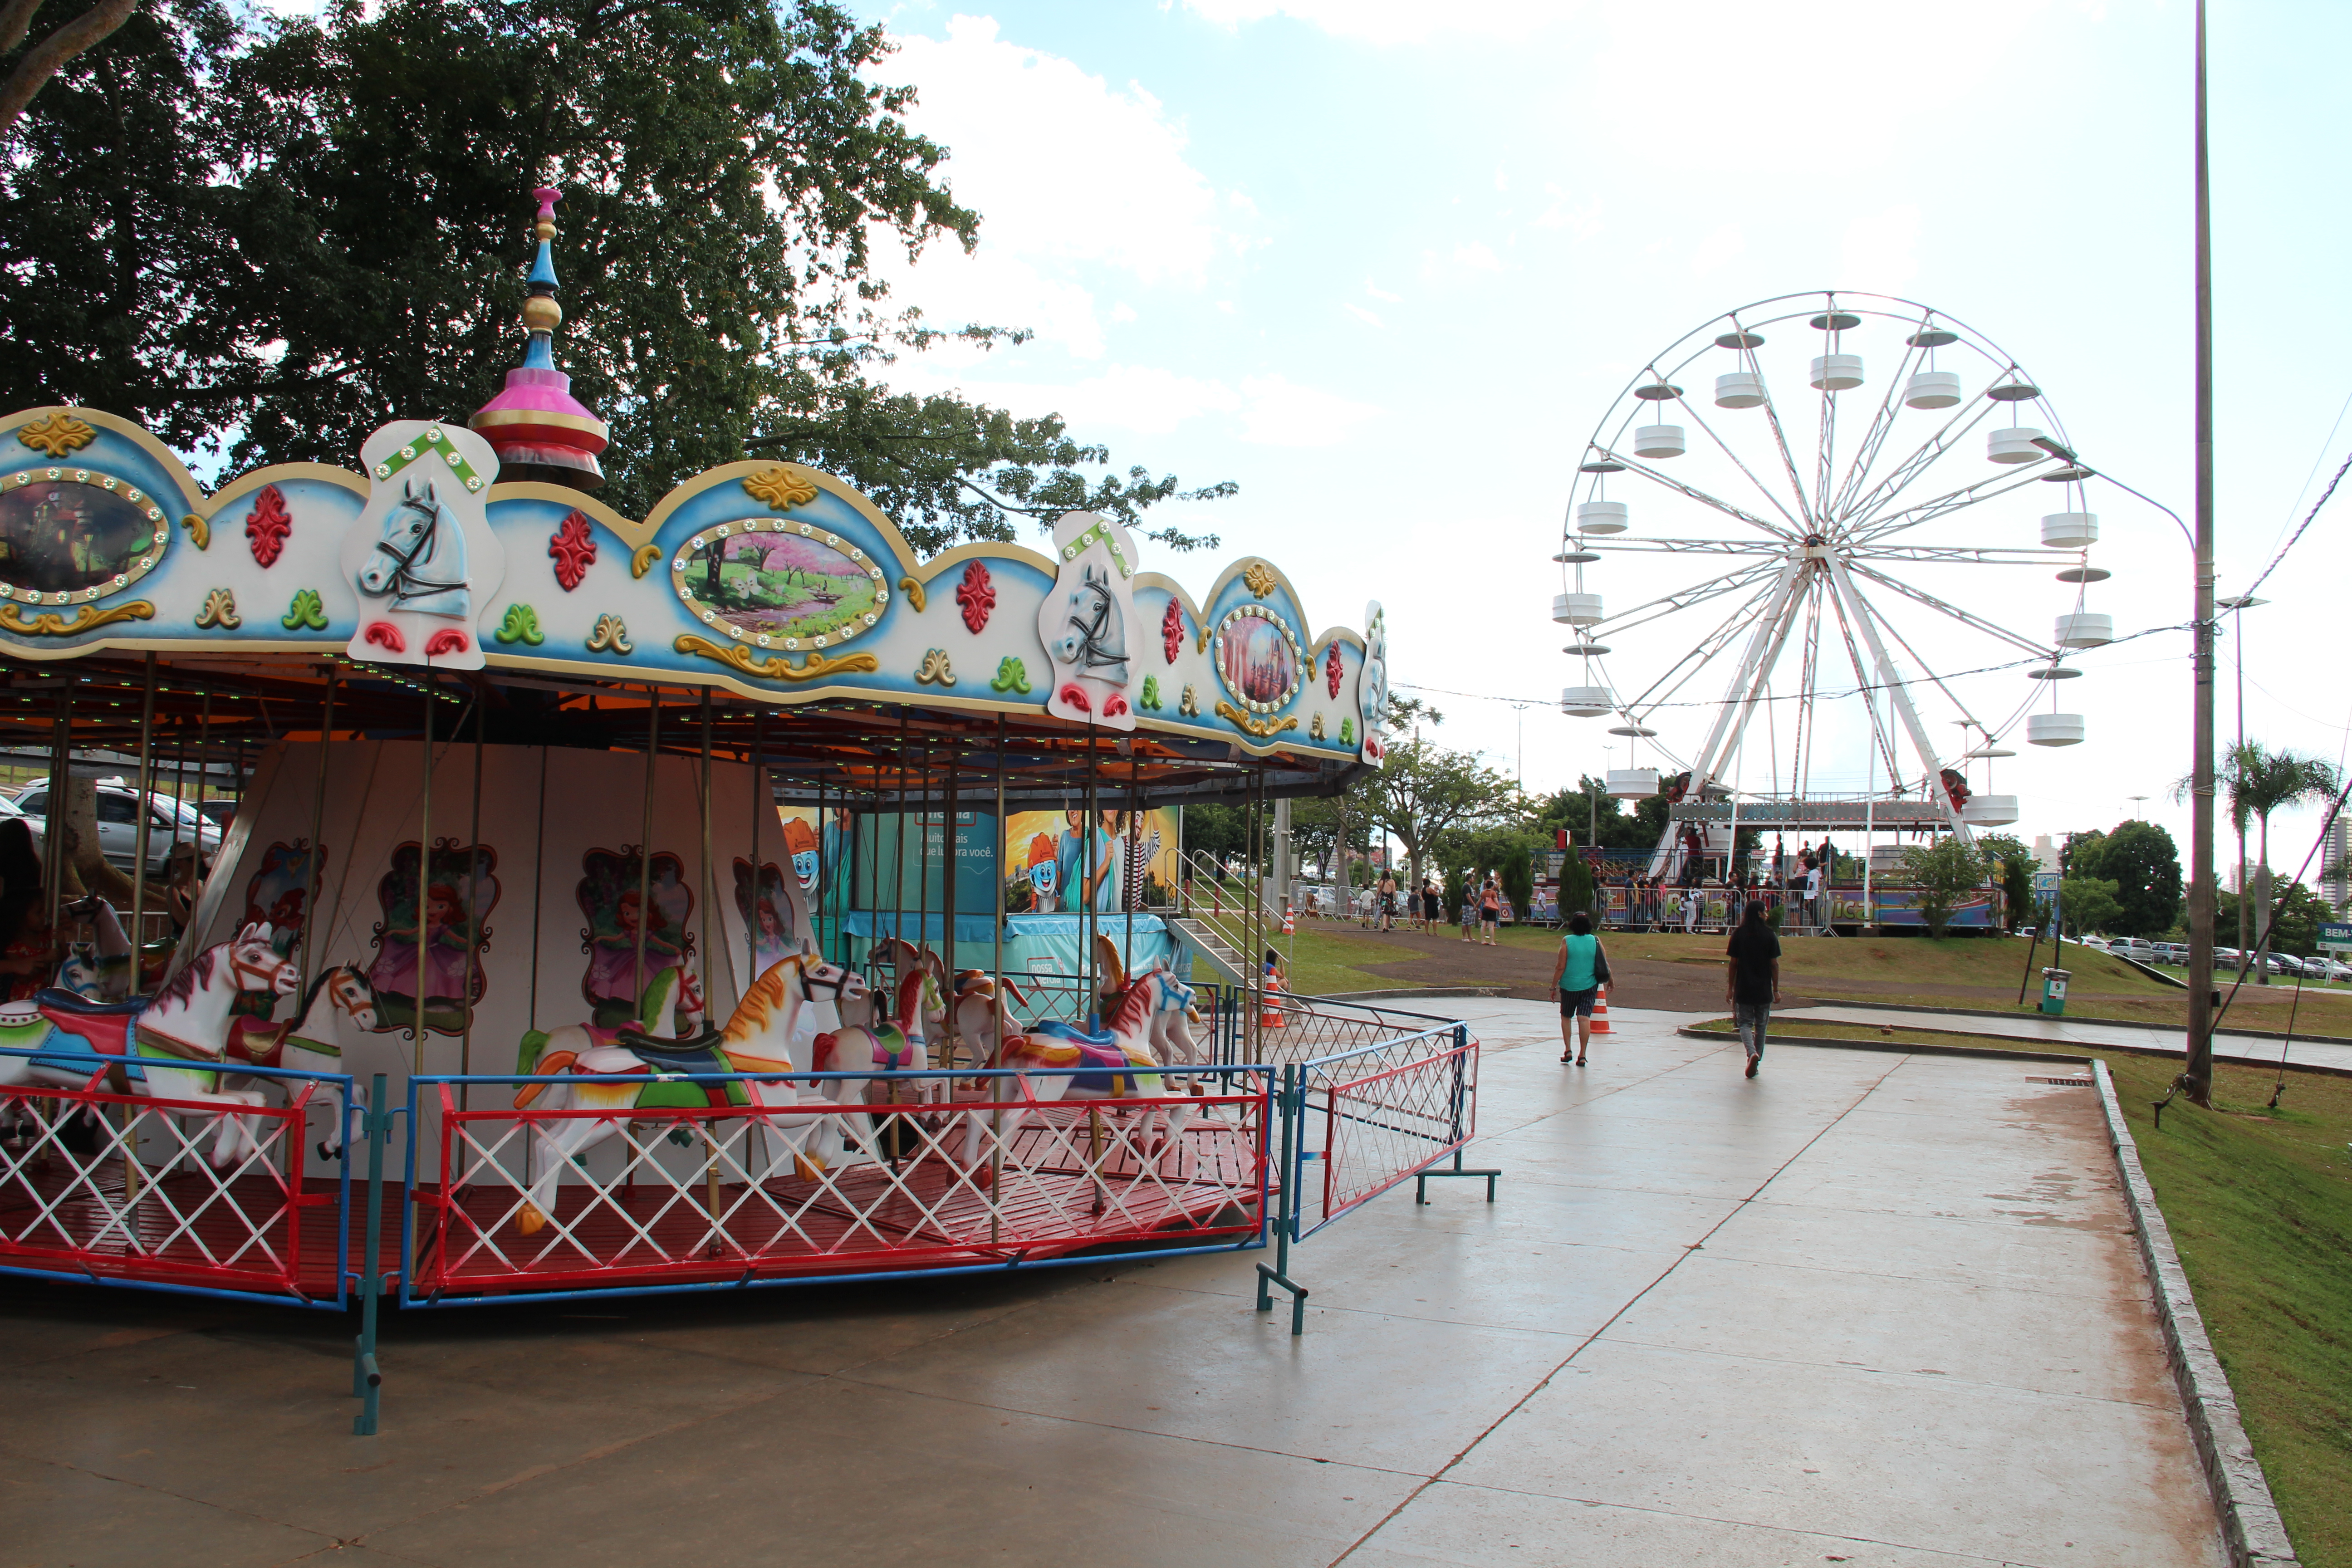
1175 1031
336 1012
773 1031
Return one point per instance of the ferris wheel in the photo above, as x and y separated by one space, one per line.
1813 533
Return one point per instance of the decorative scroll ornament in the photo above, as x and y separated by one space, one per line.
1259 578
200 533
1189 704
777 668
307 613
1334 668
1011 676
1264 729
1347 732
433 443
1315 730
520 625
915 595
779 490
89 618
641 561
58 434
1171 630
611 636
935 670
977 596
573 548
267 526
220 610
1151 697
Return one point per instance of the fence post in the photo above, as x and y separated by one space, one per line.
1462 1092
1291 1104
367 1382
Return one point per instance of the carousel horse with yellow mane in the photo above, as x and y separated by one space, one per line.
773 1031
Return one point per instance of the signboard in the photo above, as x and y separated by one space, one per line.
2336 938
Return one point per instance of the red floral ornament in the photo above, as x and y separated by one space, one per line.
573 548
448 641
267 526
1333 670
977 594
1172 629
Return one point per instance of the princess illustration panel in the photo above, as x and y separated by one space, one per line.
460 890
635 936
774 910
277 893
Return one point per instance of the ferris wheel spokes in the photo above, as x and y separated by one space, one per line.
1882 425
1800 523
1652 697
1682 599
1899 695
1982 490
1921 595
1635 465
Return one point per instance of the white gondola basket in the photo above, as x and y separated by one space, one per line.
1600 517
2014 445
1739 389
1576 609
1587 701
1932 389
1836 372
2070 530
2086 629
1990 811
1632 783
2054 730
1658 441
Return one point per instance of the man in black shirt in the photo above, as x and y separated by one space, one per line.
1752 980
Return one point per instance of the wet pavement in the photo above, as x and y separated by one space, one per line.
1868 1308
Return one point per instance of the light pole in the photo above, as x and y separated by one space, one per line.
2134 799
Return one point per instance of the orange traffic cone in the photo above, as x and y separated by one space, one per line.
1269 1015
1289 921
1601 1012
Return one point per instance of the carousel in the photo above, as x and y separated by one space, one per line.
725 896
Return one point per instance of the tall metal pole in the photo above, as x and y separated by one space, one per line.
146 817
645 854
424 862
2198 1076
318 826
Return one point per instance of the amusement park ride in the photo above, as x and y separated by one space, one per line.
508 864
1802 505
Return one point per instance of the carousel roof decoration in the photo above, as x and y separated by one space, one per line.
537 429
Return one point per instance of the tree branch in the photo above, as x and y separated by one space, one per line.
43 59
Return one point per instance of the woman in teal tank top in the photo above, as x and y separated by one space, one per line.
1578 972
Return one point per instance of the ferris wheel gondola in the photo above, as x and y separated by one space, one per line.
1808 520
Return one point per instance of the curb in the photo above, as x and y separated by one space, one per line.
2111 1023
2152 1052
1772 1039
1414 991
2250 1527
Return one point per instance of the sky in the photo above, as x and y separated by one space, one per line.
1388 266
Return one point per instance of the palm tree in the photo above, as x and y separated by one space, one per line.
2258 783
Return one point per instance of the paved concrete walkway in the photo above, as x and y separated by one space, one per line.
1870 1308
2251 1050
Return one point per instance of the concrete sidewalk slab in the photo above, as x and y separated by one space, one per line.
2083 1034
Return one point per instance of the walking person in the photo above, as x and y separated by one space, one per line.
1388 899
1490 909
1751 981
1693 902
1578 972
1429 905
1812 892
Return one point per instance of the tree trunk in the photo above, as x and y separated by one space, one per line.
83 856
2263 904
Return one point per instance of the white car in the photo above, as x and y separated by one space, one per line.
118 825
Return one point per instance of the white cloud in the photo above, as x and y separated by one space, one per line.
1283 414
1376 292
1072 179
1882 253
1394 21
1361 313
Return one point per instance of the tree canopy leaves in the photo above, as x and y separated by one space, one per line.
278 236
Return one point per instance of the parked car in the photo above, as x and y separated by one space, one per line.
2098 941
2320 966
2138 947
118 824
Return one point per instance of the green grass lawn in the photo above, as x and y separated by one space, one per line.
1325 961
2260 1204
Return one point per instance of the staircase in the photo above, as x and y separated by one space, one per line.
1212 949
1215 918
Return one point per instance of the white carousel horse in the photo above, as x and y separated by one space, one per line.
337 1010
897 1045
970 998
97 970
1117 1065
774 1031
1174 1016
174 1044
421 559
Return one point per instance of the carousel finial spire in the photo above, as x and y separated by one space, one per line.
538 429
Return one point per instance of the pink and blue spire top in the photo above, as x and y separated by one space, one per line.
537 429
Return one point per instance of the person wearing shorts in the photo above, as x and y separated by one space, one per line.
1578 974
1490 910
1429 904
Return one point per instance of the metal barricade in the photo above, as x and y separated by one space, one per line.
777 1182
1377 1115
140 1189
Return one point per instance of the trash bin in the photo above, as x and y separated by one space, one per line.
2053 990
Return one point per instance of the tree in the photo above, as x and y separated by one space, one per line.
2296 918
2014 865
1943 872
1220 832
1576 891
2259 782
1423 791
33 66
1579 809
2142 862
2088 903
279 235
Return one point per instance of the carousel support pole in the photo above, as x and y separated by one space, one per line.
948 904
898 854
203 774
709 889
538 885
423 866
996 1002
53 841
760 788
366 1380
473 925
1130 894
1087 888
645 847
131 1171
318 827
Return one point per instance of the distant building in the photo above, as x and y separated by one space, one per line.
2335 874
2044 852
